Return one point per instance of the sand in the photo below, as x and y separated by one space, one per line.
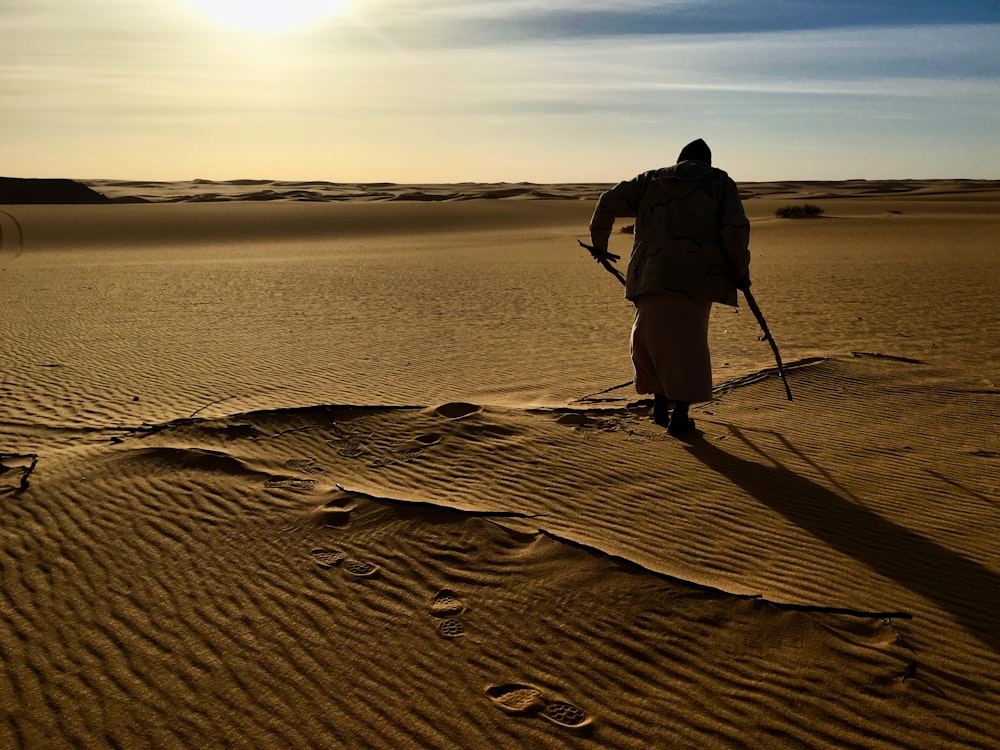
316 465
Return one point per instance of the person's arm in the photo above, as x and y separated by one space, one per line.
736 234
619 202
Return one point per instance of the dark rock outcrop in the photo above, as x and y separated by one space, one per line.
16 190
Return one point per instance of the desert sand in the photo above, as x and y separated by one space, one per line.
318 465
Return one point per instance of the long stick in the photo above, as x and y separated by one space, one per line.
603 259
752 304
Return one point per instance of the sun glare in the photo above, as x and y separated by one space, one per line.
267 15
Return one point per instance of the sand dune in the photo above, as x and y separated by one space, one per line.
207 191
369 473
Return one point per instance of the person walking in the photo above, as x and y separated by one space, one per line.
690 250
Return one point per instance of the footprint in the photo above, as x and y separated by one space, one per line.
565 714
349 451
527 700
451 628
335 513
407 451
331 558
516 699
328 558
446 604
305 465
457 410
360 569
348 443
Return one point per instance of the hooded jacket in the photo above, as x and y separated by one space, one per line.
691 234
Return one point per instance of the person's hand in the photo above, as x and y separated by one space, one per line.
601 254
743 281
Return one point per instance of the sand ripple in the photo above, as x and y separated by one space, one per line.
163 590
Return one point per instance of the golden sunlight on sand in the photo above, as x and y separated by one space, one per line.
319 465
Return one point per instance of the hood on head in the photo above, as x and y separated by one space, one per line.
696 151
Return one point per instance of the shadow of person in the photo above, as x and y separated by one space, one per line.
962 587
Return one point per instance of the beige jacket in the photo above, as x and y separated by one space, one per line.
691 234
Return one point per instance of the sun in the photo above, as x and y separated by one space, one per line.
267 15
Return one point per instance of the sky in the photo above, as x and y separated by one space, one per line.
413 91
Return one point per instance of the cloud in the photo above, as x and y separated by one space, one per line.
892 61
482 21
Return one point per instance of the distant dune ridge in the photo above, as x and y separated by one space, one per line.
272 190
60 191
14 190
340 465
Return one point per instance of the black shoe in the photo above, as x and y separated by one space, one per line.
661 410
680 422
680 426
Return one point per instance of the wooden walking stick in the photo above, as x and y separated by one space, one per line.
607 259
752 304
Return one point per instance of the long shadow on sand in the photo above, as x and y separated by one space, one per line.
962 587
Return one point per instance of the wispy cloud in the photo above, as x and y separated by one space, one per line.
481 21
890 62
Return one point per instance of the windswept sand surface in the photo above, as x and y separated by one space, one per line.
363 472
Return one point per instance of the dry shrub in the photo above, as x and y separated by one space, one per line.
803 211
